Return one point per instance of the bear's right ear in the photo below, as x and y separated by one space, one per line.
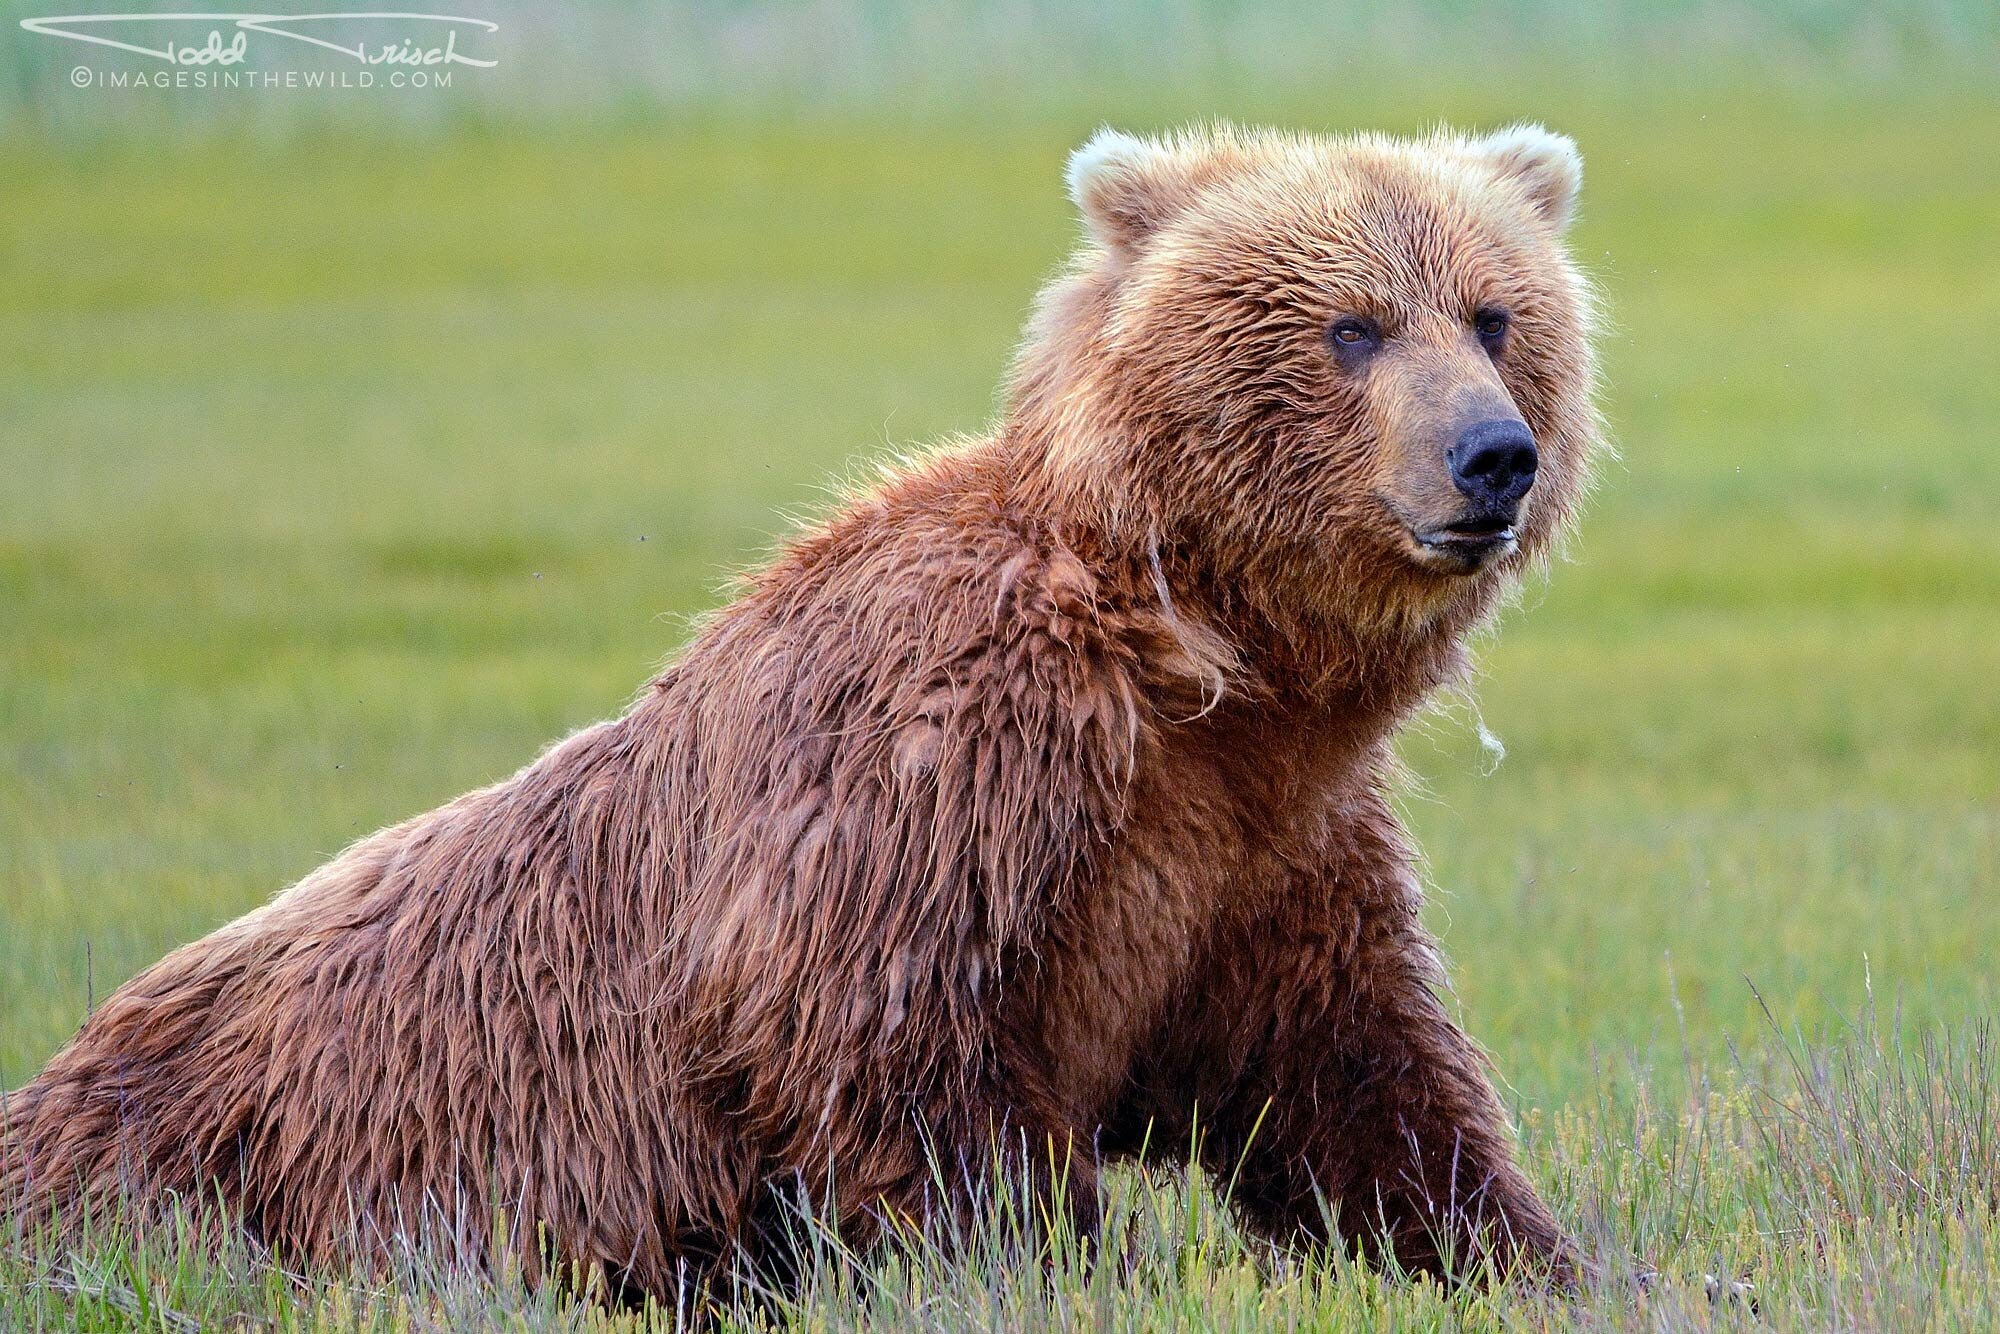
1126 187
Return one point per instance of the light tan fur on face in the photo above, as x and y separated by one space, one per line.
1195 326
1034 802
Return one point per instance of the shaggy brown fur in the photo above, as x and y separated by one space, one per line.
1037 797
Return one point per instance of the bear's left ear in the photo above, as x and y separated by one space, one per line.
1544 164
1127 187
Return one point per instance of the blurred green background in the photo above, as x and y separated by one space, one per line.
353 447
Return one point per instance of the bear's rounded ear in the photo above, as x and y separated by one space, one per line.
1126 187
1543 163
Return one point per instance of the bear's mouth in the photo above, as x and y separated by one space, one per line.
1465 546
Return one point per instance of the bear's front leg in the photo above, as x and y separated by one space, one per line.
1352 1098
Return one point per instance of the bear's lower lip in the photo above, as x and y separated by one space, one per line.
1462 550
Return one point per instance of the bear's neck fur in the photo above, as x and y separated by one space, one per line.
1259 662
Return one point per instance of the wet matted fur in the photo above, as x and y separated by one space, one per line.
1036 799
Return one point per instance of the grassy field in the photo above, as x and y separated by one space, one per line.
338 476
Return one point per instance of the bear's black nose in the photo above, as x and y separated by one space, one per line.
1494 462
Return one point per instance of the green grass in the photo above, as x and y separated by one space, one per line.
339 476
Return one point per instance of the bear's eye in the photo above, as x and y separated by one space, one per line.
1351 335
1491 325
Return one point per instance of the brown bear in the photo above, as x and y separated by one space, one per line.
1032 808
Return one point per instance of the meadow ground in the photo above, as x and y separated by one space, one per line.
342 474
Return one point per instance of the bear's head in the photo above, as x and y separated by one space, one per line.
1355 373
